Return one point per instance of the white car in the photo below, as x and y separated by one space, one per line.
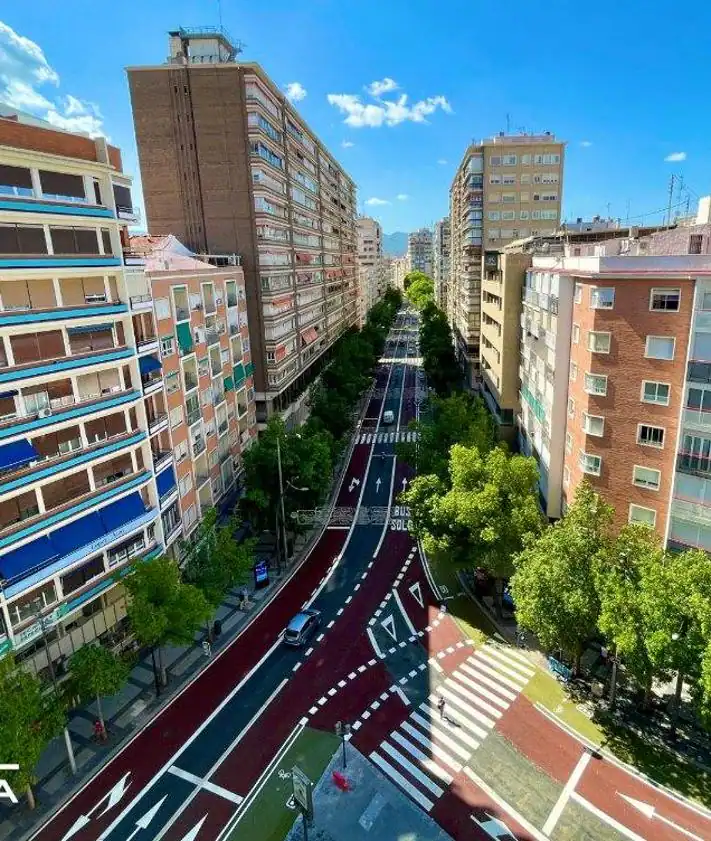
492 826
388 416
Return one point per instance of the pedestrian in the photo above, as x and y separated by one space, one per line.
440 707
99 731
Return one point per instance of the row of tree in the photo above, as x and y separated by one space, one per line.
419 289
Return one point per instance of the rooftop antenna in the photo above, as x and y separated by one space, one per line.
508 124
671 193
219 11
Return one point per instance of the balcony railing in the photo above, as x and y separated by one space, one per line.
698 372
160 459
198 446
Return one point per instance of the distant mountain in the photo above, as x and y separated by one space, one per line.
395 245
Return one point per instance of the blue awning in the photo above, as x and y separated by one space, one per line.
165 481
16 454
26 559
8 393
77 534
119 513
147 364
89 328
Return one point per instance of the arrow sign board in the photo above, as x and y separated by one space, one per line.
389 625
416 591
649 810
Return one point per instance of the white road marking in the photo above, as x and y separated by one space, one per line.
374 643
605 818
313 710
384 696
399 780
501 803
341 684
422 758
510 662
331 692
519 679
331 623
308 651
409 624
439 733
412 769
471 676
401 695
459 690
320 637
435 664
351 676
485 667
568 789
375 705
205 784
361 669
434 749
297 666
457 717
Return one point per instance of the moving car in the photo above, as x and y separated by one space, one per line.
388 416
302 627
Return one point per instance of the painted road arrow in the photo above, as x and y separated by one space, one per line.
354 484
416 591
404 483
145 820
112 798
377 484
389 625
192 835
650 811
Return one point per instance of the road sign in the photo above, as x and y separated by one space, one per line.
303 791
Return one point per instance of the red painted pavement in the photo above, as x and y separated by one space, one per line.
216 810
356 468
349 701
388 717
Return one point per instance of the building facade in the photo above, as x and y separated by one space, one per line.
230 167
372 268
506 187
420 252
79 362
441 246
204 416
614 375
398 270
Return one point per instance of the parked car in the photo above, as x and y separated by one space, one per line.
302 627
388 416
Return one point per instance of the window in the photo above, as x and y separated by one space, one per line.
650 436
167 347
596 384
590 463
186 484
509 160
494 233
653 392
176 416
602 298
508 179
660 347
508 215
495 197
525 160
568 443
549 214
642 515
162 308
494 179
566 476
646 477
573 371
664 300
576 334
181 451
524 197
598 342
523 214
508 198
172 382
571 407
495 160
697 398
696 242
494 215
526 178
593 425
578 296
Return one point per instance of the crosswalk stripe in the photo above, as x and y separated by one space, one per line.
468 715
434 749
510 662
517 655
412 769
399 780
369 438
457 687
441 736
481 671
456 731
477 685
424 760
497 665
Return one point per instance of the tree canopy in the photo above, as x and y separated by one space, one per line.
419 289
97 672
437 349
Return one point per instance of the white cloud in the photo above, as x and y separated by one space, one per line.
375 202
442 161
385 85
675 157
347 144
386 112
295 91
586 144
402 197
23 70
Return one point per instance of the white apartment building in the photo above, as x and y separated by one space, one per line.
420 252
441 246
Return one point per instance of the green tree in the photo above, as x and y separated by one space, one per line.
445 421
162 608
216 562
437 348
420 290
29 720
99 672
554 585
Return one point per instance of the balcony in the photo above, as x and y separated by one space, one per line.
167 488
21 314
694 465
26 200
698 372
146 344
161 460
141 303
157 423
64 363
692 511
212 337
198 446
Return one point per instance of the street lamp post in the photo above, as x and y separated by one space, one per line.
281 504
343 730
677 637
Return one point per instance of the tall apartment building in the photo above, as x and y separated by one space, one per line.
78 364
506 187
614 375
203 417
371 267
441 246
420 251
398 270
230 167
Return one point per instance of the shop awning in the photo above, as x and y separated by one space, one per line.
26 559
89 328
280 353
82 531
119 513
148 364
165 481
17 454
185 336
309 336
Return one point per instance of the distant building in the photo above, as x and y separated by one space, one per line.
398 270
441 250
371 266
420 251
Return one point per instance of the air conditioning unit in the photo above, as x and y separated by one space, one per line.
44 413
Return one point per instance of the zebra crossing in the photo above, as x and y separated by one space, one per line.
386 437
429 748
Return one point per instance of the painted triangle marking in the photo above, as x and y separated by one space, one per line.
647 809
416 591
389 625
192 835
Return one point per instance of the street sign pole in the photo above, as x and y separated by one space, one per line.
343 731
303 796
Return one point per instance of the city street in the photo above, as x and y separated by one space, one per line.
386 655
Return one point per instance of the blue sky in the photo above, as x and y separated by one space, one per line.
626 85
